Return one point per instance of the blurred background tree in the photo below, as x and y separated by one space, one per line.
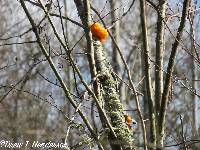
33 105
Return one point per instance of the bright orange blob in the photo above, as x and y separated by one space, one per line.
99 32
128 119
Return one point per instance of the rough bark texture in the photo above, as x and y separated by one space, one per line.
113 106
109 92
115 56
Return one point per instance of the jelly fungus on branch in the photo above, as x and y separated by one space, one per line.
99 32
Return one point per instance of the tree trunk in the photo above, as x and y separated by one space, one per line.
147 74
109 92
159 62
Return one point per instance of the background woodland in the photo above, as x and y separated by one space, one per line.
59 83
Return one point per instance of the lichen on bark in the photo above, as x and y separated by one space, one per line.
112 105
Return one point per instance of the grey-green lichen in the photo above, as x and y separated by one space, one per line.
111 98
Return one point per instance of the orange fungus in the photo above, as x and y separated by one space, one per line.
128 119
99 32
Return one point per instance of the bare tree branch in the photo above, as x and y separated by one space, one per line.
170 69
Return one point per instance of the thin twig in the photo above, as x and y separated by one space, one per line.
58 76
17 43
